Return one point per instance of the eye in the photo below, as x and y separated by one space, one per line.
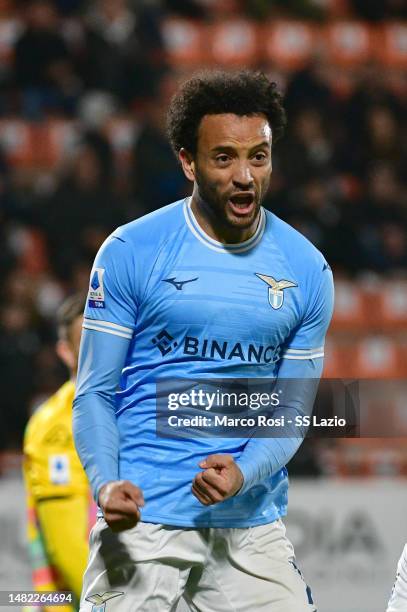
222 158
260 156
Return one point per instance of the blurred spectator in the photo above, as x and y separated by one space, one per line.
384 221
43 67
157 175
83 209
383 137
194 9
311 9
123 50
308 89
307 150
19 342
377 10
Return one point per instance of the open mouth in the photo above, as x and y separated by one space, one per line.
242 203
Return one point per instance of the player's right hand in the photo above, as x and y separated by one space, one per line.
120 501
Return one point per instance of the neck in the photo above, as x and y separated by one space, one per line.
217 230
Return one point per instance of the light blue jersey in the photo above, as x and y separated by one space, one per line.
168 301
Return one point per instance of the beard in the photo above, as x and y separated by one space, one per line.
221 210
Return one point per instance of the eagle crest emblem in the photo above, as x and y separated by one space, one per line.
276 289
99 600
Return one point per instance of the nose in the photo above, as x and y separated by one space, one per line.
242 178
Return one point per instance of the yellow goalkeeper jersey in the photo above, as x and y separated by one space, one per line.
60 510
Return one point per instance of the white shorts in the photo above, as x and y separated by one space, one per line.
150 567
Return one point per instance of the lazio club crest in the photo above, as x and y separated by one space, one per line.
99 600
276 289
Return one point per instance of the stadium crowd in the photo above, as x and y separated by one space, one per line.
337 176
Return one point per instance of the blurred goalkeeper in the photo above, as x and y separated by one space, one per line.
59 507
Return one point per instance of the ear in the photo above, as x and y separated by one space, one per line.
188 164
65 353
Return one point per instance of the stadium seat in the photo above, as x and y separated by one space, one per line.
289 44
348 43
58 139
391 305
351 308
379 357
17 140
186 42
234 43
339 360
121 133
10 29
392 49
33 256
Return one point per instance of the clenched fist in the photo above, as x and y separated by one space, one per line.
120 501
220 479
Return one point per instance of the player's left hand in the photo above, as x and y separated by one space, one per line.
220 479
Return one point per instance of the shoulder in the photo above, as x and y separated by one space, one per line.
160 224
302 256
143 237
306 264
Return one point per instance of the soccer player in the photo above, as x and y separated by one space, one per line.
398 599
59 500
208 287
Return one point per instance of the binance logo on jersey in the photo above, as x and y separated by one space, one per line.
164 342
215 349
276 289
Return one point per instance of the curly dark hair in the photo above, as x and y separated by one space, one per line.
216 92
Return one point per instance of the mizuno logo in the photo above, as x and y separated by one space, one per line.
99 601
178 284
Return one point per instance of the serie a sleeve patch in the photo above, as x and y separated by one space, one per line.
59 469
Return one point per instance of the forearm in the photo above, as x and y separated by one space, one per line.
265 456
96 438
94 418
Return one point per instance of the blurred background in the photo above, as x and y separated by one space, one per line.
84 87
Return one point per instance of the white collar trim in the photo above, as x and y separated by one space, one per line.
220 247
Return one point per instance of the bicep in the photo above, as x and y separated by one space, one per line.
102 357
303 352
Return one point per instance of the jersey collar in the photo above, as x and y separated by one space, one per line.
220 247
